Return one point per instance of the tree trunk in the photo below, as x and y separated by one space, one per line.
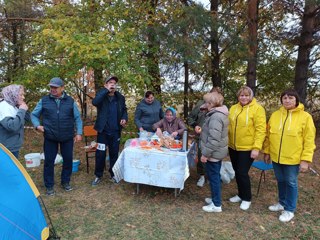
98 75
15 56
253 7
305 46
185 90
153 48
215 56
98 79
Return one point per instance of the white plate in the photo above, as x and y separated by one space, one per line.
175 149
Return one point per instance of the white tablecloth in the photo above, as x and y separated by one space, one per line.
162 168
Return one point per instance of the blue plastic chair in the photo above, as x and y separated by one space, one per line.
261 165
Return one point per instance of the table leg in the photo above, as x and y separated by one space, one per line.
138 188
175 192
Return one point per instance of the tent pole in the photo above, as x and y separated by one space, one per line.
52 230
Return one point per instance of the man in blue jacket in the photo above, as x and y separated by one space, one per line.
112 116
60 117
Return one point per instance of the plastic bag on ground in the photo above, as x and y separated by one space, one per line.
227 173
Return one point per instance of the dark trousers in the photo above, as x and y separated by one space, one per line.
241 163
112 141
213 173
200 165
50 148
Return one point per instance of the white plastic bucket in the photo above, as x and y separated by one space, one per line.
32 159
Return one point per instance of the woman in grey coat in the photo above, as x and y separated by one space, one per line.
148 112
214 146
13 114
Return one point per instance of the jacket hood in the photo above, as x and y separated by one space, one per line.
223 109
300 107
246 108
284 113
253 102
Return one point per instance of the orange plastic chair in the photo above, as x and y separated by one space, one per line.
89 134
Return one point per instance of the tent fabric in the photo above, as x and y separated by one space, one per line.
21 215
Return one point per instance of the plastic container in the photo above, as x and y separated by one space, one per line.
58 159
134 142
32 159
143 135
185 141
75 165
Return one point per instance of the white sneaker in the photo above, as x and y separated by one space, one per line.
201 181
286 216
235 199
211 208
208 200
245 205
276 207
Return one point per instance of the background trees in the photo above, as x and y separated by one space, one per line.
168 46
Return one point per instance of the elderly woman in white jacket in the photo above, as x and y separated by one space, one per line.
214 146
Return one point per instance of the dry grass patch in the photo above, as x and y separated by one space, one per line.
115 211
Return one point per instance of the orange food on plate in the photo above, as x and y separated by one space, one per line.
155 142
176 145
156 146
143 143
146 147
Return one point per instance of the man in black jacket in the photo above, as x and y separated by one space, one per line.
112 116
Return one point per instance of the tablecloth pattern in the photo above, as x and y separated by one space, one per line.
162 168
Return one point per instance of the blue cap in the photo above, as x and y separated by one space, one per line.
56 82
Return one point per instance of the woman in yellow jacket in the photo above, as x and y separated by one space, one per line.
247 131
290 145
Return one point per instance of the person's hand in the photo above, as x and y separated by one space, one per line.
198 129
266 158
254 154
159 132
304 166
23 106
174 134
141 129
110 86
40 128
77 138
123 122
203 159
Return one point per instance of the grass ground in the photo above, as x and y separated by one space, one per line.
115 211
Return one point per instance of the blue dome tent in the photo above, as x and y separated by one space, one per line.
21 215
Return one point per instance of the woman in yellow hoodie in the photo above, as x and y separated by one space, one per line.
247 131
290 145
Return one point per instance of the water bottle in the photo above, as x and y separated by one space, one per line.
185 140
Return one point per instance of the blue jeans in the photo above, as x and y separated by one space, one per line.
50 148
112 141
213 173
287 178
